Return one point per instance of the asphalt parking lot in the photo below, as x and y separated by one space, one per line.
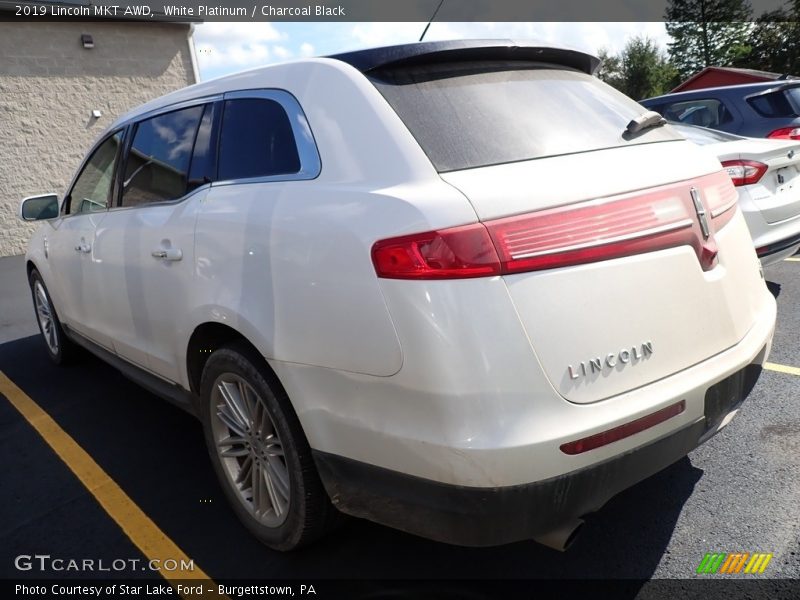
740 492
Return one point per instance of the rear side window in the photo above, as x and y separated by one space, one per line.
204 166
157 166
703 112
776 104
256 140
475 114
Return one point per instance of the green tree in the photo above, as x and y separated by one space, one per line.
645 69
773 43
707 33
640 71
610 69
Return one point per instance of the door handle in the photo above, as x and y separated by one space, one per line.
167 254
83 247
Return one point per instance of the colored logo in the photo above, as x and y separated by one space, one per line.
740 562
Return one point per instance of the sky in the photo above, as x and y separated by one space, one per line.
224 48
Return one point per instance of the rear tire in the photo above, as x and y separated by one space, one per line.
59 347
259 452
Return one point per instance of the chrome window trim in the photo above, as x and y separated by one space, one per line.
124 126
174 201
172 108
310 162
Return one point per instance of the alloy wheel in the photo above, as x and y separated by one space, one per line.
250 449
44 312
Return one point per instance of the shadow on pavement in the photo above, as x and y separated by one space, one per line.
156 453
774 288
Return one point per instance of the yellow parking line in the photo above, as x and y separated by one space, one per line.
792 259
141 530
782 368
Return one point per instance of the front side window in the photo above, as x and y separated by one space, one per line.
157 166
256 140
92 189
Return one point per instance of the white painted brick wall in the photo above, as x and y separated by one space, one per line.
49 85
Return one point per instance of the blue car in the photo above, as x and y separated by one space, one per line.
770 109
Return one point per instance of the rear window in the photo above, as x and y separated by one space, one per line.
467 115
779 104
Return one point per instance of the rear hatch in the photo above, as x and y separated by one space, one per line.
598 230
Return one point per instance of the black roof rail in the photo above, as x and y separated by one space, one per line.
467 50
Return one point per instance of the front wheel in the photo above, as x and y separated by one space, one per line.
59 348
259 451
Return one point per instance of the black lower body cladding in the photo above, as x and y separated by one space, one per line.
471 516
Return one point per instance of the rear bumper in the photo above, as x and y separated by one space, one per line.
475 516
778 250
773 241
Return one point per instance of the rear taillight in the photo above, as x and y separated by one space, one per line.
721 200
593 231
456 253
660 218
744 172
786 133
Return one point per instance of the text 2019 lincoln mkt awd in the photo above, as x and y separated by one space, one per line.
463 289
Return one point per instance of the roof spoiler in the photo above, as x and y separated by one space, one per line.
786 84
467 50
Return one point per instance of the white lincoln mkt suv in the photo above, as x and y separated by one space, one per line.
463 289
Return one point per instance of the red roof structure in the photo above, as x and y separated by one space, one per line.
721 76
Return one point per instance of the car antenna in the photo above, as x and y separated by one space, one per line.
424 31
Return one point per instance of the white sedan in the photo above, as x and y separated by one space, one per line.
766 174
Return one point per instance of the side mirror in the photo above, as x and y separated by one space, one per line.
38 208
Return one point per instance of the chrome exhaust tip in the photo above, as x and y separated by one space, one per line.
562 538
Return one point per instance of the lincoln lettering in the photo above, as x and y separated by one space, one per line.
611 360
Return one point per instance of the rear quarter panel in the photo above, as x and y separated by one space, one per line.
288 264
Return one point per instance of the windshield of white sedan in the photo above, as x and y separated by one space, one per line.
468 115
